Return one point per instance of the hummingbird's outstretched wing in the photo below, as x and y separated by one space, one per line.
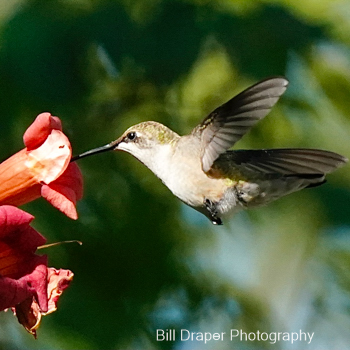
299 162
223 127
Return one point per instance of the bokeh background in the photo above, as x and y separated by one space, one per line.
148 262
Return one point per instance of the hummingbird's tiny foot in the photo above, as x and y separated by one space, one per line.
217 221
242 196
211 207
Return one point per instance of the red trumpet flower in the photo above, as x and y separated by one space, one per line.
43 168
27 285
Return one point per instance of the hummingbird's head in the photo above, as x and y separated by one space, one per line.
142 140
145 135
146 139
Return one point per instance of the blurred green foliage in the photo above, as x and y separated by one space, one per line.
148 262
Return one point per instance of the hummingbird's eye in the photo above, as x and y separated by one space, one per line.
131 136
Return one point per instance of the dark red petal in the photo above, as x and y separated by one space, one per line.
38 280
16 232
13 292
12 218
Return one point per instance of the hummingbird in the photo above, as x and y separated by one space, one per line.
202 172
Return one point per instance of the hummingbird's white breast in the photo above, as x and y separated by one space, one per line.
179 167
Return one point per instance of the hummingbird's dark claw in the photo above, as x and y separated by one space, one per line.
217 221
211 207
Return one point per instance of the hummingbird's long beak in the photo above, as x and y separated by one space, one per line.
109 147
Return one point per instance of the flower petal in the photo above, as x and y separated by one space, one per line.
13 292
38 280
17 239
11 218
23 274
18 185
29 315
73 179
62 198
64 192
40 129
51 159
33 284
58 281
